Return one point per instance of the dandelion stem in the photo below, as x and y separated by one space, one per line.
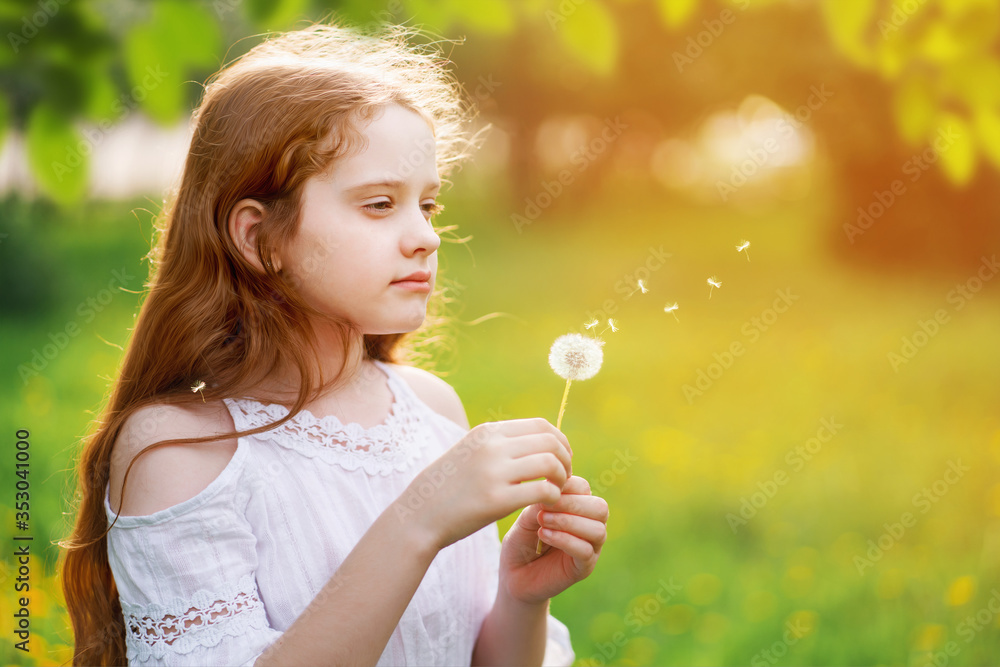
562 409
562 406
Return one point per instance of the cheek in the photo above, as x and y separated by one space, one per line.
314 257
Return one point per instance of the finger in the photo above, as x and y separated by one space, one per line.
537 443
592 507
581 550
574 488
576 484
591 530
528 518
534 466
530 493
535 425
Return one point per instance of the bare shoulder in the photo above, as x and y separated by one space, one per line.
171 474
440 396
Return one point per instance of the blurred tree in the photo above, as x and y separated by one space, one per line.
905 72
28 268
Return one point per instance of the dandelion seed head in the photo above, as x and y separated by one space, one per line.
642 286
744 244
576 357
198 387
591 324
614 327
714 282
671 307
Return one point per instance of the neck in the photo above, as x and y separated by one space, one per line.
353 368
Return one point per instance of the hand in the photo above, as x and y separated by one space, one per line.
580 521
479 480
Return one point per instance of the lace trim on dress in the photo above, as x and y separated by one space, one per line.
183 625
393 445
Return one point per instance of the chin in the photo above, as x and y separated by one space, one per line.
399 327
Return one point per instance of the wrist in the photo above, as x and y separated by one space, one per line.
416 533
508 602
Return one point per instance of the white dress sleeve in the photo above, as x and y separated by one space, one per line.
186 579
558 648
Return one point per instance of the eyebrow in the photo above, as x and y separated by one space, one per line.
394 184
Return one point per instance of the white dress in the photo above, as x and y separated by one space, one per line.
216 579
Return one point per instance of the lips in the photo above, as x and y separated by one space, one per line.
416 276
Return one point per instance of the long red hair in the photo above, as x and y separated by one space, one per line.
266 123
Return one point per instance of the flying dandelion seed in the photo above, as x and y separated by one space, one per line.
744 244
672 308
574 357
591 325
197 388
713 281
640 287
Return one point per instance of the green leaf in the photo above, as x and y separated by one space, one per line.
533 10
590 35
987 125
891 58
848 21
427 14
271 16
915 107
940 44
155 74
187 28
58 154
676 12
159 55
958 161
976 81
492 17
4 119
102 96
959 7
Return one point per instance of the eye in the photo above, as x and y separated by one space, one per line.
430 209
433 208
378 206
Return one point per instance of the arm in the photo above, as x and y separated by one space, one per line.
395 555
514 633
527 580
493 470
350 620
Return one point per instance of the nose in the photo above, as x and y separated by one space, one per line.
420 235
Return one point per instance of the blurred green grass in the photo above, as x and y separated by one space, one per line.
694 461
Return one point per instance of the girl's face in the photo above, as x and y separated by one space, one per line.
366 226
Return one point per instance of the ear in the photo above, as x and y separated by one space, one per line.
242 223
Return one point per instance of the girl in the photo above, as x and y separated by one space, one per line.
266 484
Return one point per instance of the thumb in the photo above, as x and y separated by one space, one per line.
528 519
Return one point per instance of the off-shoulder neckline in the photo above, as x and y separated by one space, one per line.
214 487
332 422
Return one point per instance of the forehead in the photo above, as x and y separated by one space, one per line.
399 145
